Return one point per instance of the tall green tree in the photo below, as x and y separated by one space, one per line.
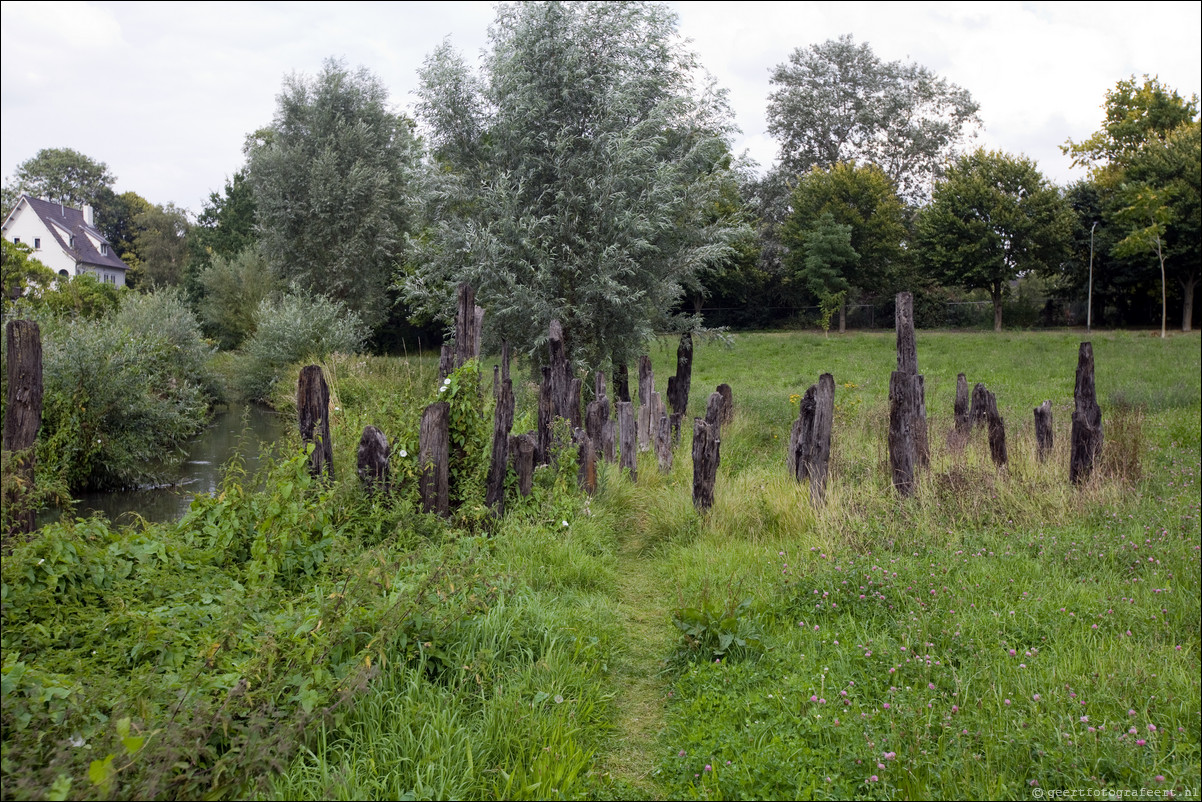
577 177
159 255
231 290
837 102
226 225
331 180
64 176
993 218
829 258
863 199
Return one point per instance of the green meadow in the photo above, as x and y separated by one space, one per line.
1002 634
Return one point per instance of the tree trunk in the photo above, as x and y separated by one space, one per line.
1043 430
1187 310
22 419
627 440
434 443
313 417
372 460
997 307
843 317
1086 435
706 457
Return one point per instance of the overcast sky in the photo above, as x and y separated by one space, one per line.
164 94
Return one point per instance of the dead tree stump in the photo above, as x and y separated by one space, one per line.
1086 435
494 494
978 413
522 450
663 443
997 430
903 410
799 439
446 361
706 457
434 444
1043 430
586 475
372 460
313 417
22 419
958 436
627 440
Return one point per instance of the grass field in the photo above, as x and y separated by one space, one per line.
1001 634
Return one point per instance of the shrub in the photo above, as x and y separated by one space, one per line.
233 290
296 327
123 393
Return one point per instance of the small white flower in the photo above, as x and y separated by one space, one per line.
565 523
404 453
558 699
442 389
76 740
446 382
41 561
337 409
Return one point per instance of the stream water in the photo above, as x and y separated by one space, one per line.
235 431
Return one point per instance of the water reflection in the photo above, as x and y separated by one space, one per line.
236 431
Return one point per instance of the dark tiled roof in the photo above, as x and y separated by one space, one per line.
58 217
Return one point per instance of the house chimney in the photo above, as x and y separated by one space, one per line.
87 215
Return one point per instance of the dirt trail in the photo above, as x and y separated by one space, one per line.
641 688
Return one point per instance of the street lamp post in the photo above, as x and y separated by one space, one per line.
1089 303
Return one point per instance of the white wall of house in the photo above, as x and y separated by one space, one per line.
25 226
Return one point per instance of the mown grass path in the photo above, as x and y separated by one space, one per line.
638 679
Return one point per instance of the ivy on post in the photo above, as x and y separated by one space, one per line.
22 419
313 417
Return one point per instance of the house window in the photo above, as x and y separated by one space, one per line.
104 249
71 241
16 240
37 243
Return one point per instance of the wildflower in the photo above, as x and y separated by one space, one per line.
1151 728
681 753
873 779
1035 697
1140 742
708 767
446 382
565 523
404 453
1084 718
1159 778
955 708
1007 703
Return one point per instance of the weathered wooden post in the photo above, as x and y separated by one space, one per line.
978 414
494 494
575 385
22 419
621 383
522 451
903 405
820 438
372 460
646 410
1043 430
561 373
907 364
728 404
713 409
434 444
799 439
546 416
663 443
1086 435
997 430
706 457
959 435
469 324
627 440
586 475
446 361
313 417
678 385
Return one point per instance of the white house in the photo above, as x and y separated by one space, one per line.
64 239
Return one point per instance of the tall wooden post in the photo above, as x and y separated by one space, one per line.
494 494
372 459
434 443
706 458
678 385
627 440
313 417
645 411
22 419
907 365
820 438
1043 430
728 403
1086 436
997 431
469 324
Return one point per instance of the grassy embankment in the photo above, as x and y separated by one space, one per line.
999 630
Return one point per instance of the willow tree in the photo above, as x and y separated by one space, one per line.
575 176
